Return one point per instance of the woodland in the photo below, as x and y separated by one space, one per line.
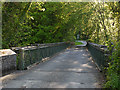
26 23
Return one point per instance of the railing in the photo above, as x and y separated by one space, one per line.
32 54
99 54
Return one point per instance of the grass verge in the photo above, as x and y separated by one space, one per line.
78 43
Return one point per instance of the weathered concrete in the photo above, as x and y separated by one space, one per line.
8 61
72 68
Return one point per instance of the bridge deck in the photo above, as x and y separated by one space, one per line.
71 68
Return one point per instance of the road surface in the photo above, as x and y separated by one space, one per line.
72 68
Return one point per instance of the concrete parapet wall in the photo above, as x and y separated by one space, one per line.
35 53
8 60
99 54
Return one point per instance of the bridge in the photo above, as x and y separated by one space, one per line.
70 68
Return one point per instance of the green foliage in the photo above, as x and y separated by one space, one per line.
113 73
11 27
35 22
25 23
78 43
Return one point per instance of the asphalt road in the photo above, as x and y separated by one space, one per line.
71 68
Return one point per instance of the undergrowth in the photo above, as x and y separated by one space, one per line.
113 71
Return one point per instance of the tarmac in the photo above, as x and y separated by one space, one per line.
71 68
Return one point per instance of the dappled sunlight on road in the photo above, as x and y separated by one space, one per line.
71 68
85 55
75 62
75 69
86 65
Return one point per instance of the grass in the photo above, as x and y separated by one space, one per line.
78 43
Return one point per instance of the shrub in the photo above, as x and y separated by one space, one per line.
113 71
